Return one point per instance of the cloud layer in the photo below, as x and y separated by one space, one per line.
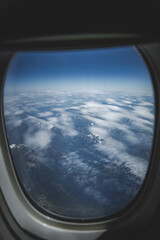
98 137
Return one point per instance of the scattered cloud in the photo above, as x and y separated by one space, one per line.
39 139
120 123
19 112
45 114
12 146
143 112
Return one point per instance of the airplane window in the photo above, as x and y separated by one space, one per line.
80 126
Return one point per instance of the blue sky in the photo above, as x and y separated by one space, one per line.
105 69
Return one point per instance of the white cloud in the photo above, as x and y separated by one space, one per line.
105 119
132 138
74 165
112 101
39 139
142 124
45 114
143 112
117 152
52 120
114 108
58 109
146 104
128 102
72 162
138 166
98 131
18 112
12 146
16 122
111 147
96 194
65 123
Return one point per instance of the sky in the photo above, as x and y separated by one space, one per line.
120 68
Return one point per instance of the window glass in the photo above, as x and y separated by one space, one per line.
80 127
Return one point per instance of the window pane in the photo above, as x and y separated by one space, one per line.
80 128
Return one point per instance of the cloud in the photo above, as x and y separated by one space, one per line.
132 138
18 112
143 112
64 122
146 104
17 122
117 127
85 175
109 118
96 194
14 122
52 120
125 101
113 101
39 139
44 114
114 108
12 146
99 131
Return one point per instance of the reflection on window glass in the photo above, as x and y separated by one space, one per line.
80 128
